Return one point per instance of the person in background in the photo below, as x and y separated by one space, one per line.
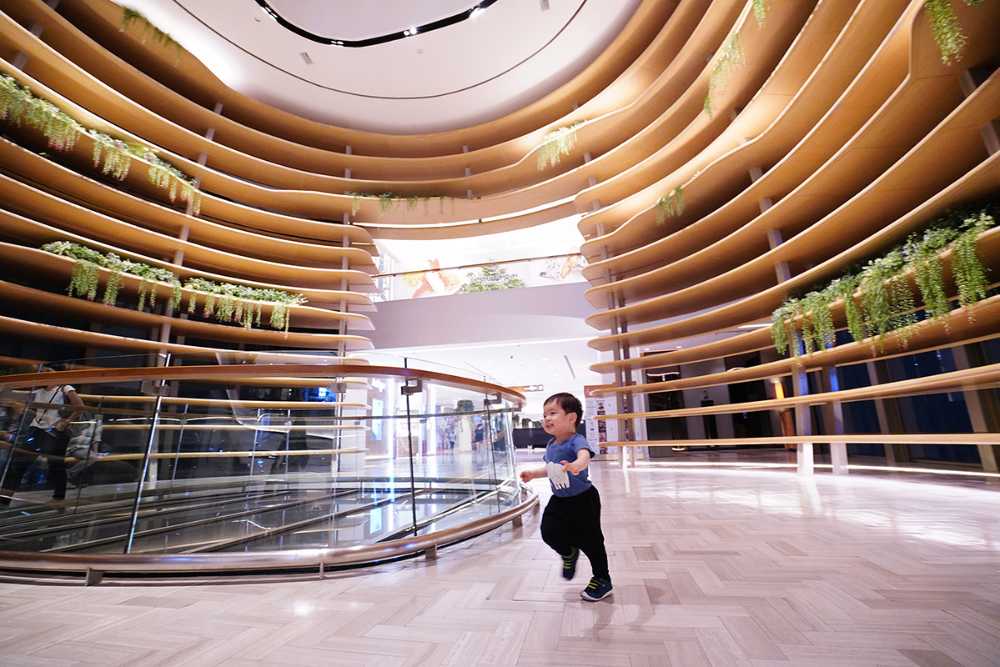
48 435
572 519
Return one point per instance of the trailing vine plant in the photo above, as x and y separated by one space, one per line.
557 143
966 266
730 55
225 302
880 297
388 200
150 33
84 280
230 302
760 10
112 156
670 205
947 29
19 106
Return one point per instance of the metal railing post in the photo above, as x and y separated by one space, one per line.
150 441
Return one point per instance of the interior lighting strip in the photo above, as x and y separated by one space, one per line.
472 12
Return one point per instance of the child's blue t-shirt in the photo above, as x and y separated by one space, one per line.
567 451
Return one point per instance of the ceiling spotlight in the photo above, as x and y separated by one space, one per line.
410 31
476 12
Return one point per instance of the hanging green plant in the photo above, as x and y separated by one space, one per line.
730 55
760 10
670 205
923 254
881 298
85 272
226 301
781 326
111 288
386 200
844 288
967 267
556 144
19 106
150 33
112 156
946 29
356 198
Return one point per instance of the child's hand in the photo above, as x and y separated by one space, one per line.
526 476
575 467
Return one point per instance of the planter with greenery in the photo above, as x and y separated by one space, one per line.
84 280
226 302
150 33
670 205
387 200
880 297
557 143
491 278
112 156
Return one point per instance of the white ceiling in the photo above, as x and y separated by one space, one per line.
468 73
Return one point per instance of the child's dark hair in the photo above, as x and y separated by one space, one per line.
568 403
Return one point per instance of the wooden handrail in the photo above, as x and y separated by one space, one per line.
971 378
846 438
234 372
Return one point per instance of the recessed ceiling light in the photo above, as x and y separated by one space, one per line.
476 12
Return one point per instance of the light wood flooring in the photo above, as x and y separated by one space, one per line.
711 567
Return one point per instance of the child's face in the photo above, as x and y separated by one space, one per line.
557 421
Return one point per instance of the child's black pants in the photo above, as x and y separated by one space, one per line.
576 522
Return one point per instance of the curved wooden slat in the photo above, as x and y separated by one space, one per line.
971 378
796 143
40 331
32 231
693 131
99 312
889 194
31 259
69 215
955 329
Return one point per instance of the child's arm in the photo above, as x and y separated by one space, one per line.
581 462
528 475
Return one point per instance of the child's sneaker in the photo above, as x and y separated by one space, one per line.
569 564
597 589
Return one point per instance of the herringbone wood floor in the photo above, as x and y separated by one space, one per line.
710 567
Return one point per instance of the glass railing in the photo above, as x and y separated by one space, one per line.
277 454
536 272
